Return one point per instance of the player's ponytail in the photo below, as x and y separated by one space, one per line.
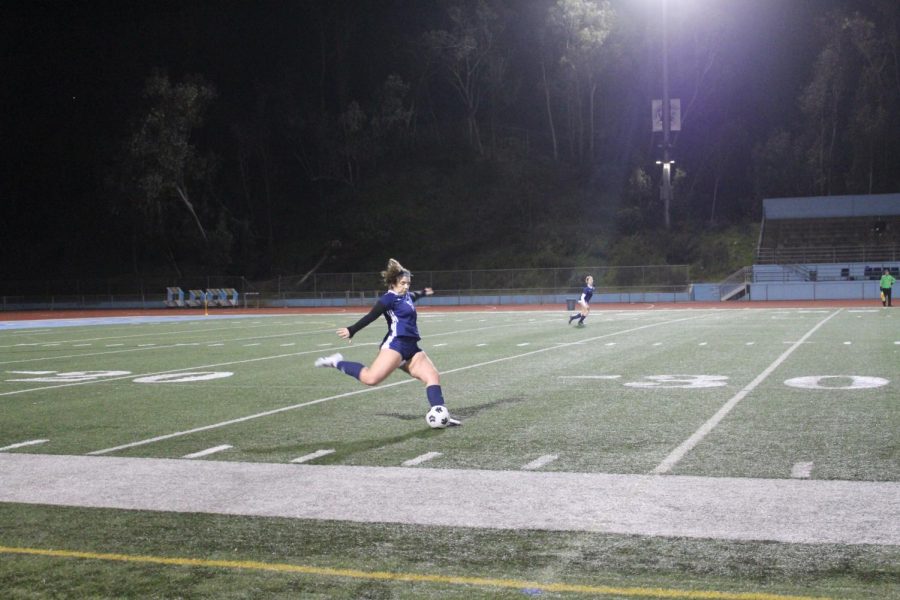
394 272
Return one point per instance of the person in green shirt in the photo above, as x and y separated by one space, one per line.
887 280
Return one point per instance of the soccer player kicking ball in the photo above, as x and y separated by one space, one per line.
399 348
584 302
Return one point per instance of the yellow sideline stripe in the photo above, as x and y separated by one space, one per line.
383 575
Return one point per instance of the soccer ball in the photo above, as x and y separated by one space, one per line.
437 417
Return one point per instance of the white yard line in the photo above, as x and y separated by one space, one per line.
313 455
141 347
540 462
23 444
802 470
175 345
181 370
567 344
208 451
420 459
267 413
353 393
781 510
141 335
678 453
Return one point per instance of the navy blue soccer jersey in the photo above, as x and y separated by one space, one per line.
400 314
399 311
587 293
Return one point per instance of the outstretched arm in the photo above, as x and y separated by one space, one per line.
424 292
348 332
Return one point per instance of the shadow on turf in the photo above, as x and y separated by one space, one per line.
343 449
466 412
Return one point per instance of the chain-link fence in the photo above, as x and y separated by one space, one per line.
353 288
537 280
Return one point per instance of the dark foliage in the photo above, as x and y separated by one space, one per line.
457 134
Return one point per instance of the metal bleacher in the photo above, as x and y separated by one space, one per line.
830 237
818 242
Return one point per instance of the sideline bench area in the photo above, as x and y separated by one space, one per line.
209 298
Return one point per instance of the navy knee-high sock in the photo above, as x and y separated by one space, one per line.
435 396
350 368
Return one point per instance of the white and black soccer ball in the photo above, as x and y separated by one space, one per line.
437 417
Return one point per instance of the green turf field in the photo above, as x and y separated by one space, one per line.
762 394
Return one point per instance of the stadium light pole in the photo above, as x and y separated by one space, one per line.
665 190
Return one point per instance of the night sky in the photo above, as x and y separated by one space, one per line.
74 74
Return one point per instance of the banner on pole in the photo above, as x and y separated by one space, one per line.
674 114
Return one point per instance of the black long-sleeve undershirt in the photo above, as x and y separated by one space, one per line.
377 310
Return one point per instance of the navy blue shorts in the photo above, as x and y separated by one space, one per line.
407 347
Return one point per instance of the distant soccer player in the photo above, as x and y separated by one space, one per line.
399 348
584 303
886 283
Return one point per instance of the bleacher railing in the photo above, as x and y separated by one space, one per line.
831 254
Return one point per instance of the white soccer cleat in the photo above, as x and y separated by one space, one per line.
329 361
451 422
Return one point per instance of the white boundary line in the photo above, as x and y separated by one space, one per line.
801 470
208 451
23 444
793 511
539 462
355 392
678 453
420 459
313 455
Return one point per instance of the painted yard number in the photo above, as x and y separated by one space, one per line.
811 382
836 382
679 381
83 376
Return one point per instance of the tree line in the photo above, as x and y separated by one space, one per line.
498 133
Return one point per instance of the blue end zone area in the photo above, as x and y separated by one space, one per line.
132 320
